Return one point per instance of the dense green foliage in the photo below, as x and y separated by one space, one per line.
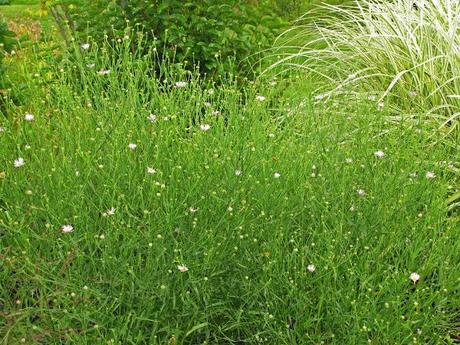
6 43
143 202
223 35
225 218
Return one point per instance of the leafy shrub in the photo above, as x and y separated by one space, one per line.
213 34
6 42
403 52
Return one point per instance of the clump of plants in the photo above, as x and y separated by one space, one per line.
403 53
216 36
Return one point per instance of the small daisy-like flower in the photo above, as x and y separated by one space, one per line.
276 175
182 268
103 72
415 277
205 127
349 160
29 117
181 84
132 146
152 117
193 210
67 228
19 162
260 98
151 171
271 135
238 172
379 154
311 268
430 175
361 192
111 212
85 46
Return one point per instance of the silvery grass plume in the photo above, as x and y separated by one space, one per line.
404 52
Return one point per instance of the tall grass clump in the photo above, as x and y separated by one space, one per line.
141 205
400 53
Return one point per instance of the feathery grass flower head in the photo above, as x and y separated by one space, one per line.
182 268
361 192
415 277
379 154
205 127
19 162
103 72
67 228
430 175
29 117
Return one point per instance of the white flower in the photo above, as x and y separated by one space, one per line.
415 277
349 160
379 154
207 104
260 98
271 135
19 162
182 268
152 117
85 46
413 174
205 127
361 192
132 146
151 171
276 175
192 210
272 83
67 228
430 175
77 173
311 268
238 172
111 212
90 65
381 105
371 98
29 117
181 84
2 129
412 94
215 112
210 91
103 72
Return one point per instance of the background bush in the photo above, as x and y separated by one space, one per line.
6 42
214 34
